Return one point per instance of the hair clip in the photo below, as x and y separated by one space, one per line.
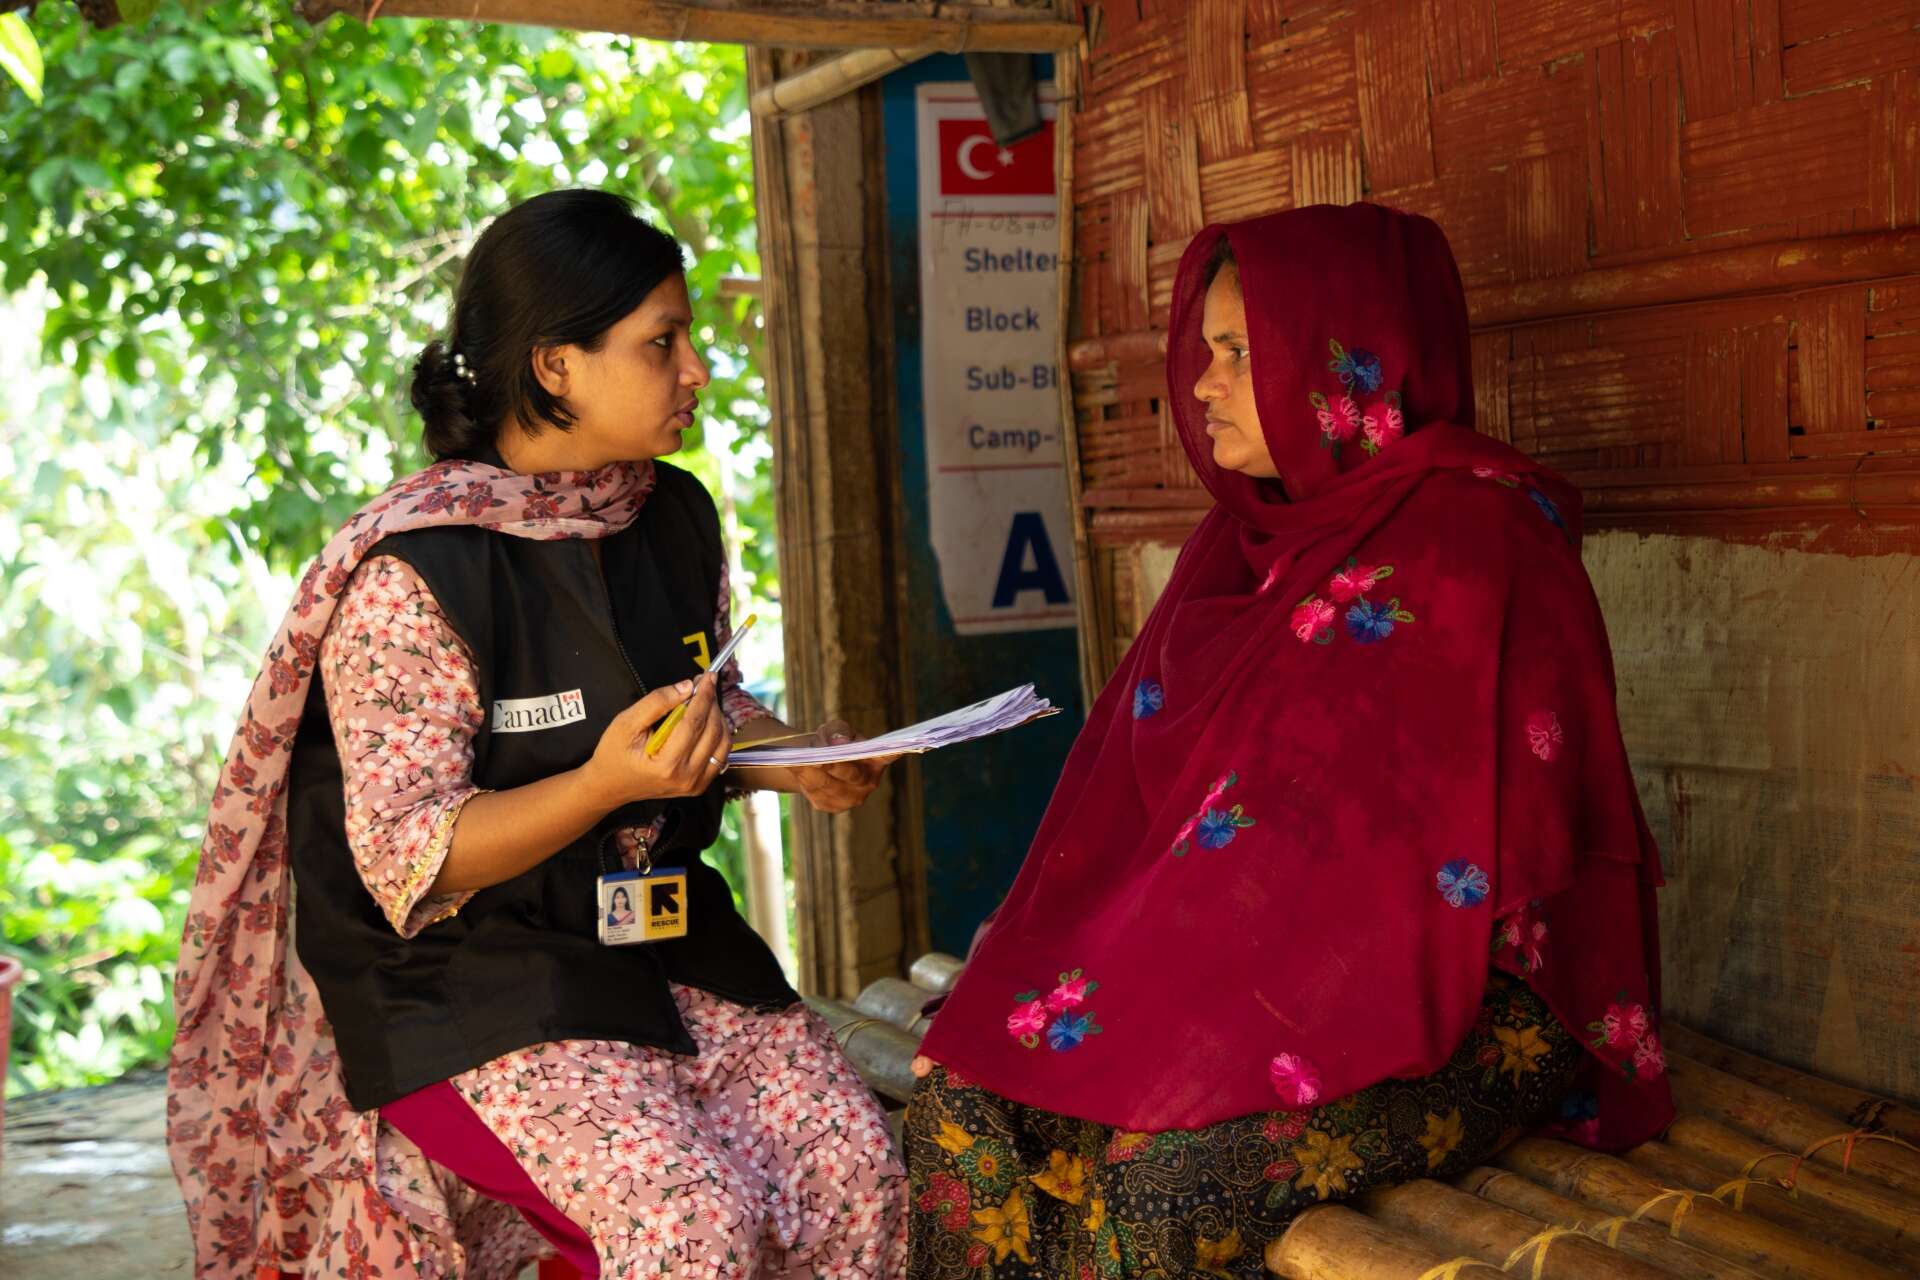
461 371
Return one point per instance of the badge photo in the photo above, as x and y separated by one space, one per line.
643 906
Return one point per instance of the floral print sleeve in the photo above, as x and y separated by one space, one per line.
404 705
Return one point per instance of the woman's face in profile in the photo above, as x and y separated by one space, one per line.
1226 388
634 397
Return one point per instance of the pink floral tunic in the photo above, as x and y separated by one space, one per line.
766 1140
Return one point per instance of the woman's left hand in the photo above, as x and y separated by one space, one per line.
836 788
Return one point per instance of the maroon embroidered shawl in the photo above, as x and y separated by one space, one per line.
1365 746
275 1168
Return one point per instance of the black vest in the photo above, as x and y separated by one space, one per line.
521 963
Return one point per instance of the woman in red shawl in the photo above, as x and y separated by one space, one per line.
1346 880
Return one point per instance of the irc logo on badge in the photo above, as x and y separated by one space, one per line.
665 898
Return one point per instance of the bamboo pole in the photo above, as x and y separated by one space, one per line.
825 81
936 971
1465 1224
1091 608
1856 1106
1641 1240
1333 1242
1759 1111
899 1003
881 1052
1763 1199
1615 1185
1736 1154
766 873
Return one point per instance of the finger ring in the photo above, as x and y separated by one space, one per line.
714 761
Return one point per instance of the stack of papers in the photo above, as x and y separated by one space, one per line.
1009 710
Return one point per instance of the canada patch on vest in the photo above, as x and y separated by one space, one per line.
523 715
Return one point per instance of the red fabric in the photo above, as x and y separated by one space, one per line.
1365 744
447 1131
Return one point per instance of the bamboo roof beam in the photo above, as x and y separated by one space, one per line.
825 81
814 24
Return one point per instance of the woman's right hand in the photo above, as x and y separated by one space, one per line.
621 771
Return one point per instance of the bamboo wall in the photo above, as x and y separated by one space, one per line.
1688 231
1642 196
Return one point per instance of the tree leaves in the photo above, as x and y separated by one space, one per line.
235 232
20 54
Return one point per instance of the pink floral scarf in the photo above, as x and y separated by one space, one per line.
276 1169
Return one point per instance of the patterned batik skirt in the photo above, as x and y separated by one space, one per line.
1001 1191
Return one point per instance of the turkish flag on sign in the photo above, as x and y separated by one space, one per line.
973 164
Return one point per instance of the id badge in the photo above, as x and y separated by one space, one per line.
642 906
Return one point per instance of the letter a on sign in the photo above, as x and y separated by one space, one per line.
1029 533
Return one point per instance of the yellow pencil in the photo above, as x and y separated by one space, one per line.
660 735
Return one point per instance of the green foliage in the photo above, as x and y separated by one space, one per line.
20 54
234 232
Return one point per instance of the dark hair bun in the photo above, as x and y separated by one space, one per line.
440 394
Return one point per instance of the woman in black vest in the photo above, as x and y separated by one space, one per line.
470 800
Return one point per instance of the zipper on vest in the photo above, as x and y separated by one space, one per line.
613 623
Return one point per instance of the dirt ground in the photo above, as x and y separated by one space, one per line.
85 1189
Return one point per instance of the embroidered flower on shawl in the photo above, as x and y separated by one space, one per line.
1069 1030
1324 412
1356 580
1462 883
1367 621
1544 735
1359 369
1548 508
1339 418
1525 933
1215 827
1029 1018
1296 1080
1148 698
1070 994
1627 1026
948 1200
1218 828
1312 621
1506 478
1370 623
1623 1023
1344 415
1383 425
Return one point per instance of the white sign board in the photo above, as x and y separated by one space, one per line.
989 298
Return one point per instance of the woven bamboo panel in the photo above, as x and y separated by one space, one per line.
1628 185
